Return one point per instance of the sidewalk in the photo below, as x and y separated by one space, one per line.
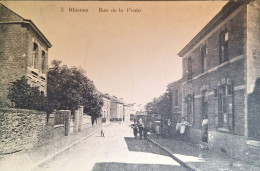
194 158
32 158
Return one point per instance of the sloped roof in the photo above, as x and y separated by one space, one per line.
8 16
225 11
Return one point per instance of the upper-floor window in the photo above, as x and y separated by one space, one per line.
223 47
176 97
203 57
189 69
34 56
43 61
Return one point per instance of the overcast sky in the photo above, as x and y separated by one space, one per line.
132 55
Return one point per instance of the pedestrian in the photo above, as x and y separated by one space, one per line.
178 128
145 132
204 125
157 130
135 131
102 133
183 128
141 131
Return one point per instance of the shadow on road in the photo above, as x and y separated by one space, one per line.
134 167
143 146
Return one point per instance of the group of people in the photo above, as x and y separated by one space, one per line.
140 131
182 128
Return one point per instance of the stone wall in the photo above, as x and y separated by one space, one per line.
22 129
86 122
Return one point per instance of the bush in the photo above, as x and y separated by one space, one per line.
26 97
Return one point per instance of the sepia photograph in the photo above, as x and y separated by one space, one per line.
130 85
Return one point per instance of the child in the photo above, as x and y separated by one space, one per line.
102 133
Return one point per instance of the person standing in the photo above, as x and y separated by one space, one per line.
135 131
141 131
204 125
145 132
157 130
102 133
183 128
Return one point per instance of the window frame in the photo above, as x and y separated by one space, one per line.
223 46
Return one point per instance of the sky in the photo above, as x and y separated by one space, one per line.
131 55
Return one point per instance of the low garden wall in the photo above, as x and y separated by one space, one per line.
22 129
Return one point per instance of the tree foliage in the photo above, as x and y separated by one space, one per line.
69 87
161 106
22 95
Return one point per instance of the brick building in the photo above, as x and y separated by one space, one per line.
116 109
120 109
221 66
175 89
106 107
23 52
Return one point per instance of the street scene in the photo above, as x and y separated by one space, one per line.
117 150
129 85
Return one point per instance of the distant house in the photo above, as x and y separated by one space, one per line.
106 107
120 109
23 52
116 108
126 113
175 89
221 66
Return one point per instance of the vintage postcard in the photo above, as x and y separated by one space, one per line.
129 85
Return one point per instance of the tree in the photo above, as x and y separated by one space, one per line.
69 87
160 106
22 95
151 107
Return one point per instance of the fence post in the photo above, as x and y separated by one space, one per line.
67 114
75 122
80 117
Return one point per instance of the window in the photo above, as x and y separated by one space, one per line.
204 103
229 89
223 47
189 69
43 61
34 56
203 58
176 97
225 113
215 93
190 108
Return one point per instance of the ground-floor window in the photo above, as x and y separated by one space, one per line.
225 107
204 104
190 113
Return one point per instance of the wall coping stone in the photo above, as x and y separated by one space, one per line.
18 110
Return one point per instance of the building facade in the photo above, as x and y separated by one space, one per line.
126 112
220 73
120 109
116 109
175 90
23 52
106 107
